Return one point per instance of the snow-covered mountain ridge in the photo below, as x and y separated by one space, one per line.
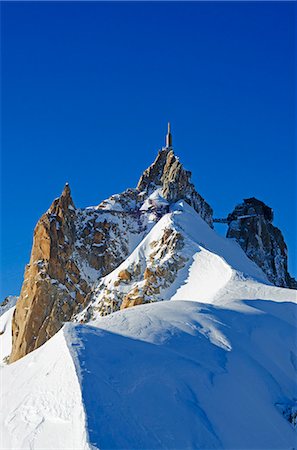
139 327
74 249
174 374
180 253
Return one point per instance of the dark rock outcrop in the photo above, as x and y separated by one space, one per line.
251 225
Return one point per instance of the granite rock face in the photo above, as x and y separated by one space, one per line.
251 225
72 249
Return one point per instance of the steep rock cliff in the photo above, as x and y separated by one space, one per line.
251 225
72 249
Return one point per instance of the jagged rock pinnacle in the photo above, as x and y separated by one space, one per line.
66 191
61 204
168 174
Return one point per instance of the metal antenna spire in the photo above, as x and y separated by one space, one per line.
168 137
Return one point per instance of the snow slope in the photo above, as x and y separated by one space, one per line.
213 264
171 375
6 312
220 271
184 375
215 368
5 334
41 403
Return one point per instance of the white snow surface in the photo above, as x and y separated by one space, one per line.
6 312
41 402
189 375
215 368
5 334
172 375
155 199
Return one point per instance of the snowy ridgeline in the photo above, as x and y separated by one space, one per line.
169 375
214 367
180 258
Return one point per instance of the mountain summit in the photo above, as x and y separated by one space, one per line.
174 183
138 326
134 248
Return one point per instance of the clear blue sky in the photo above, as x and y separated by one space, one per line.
88 88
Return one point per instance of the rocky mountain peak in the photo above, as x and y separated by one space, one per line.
74 249
176 180
152 176
52 282
252 207
66 195
168 174
251 225
63 204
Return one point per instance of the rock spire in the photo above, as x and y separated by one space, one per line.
174 182
251 225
